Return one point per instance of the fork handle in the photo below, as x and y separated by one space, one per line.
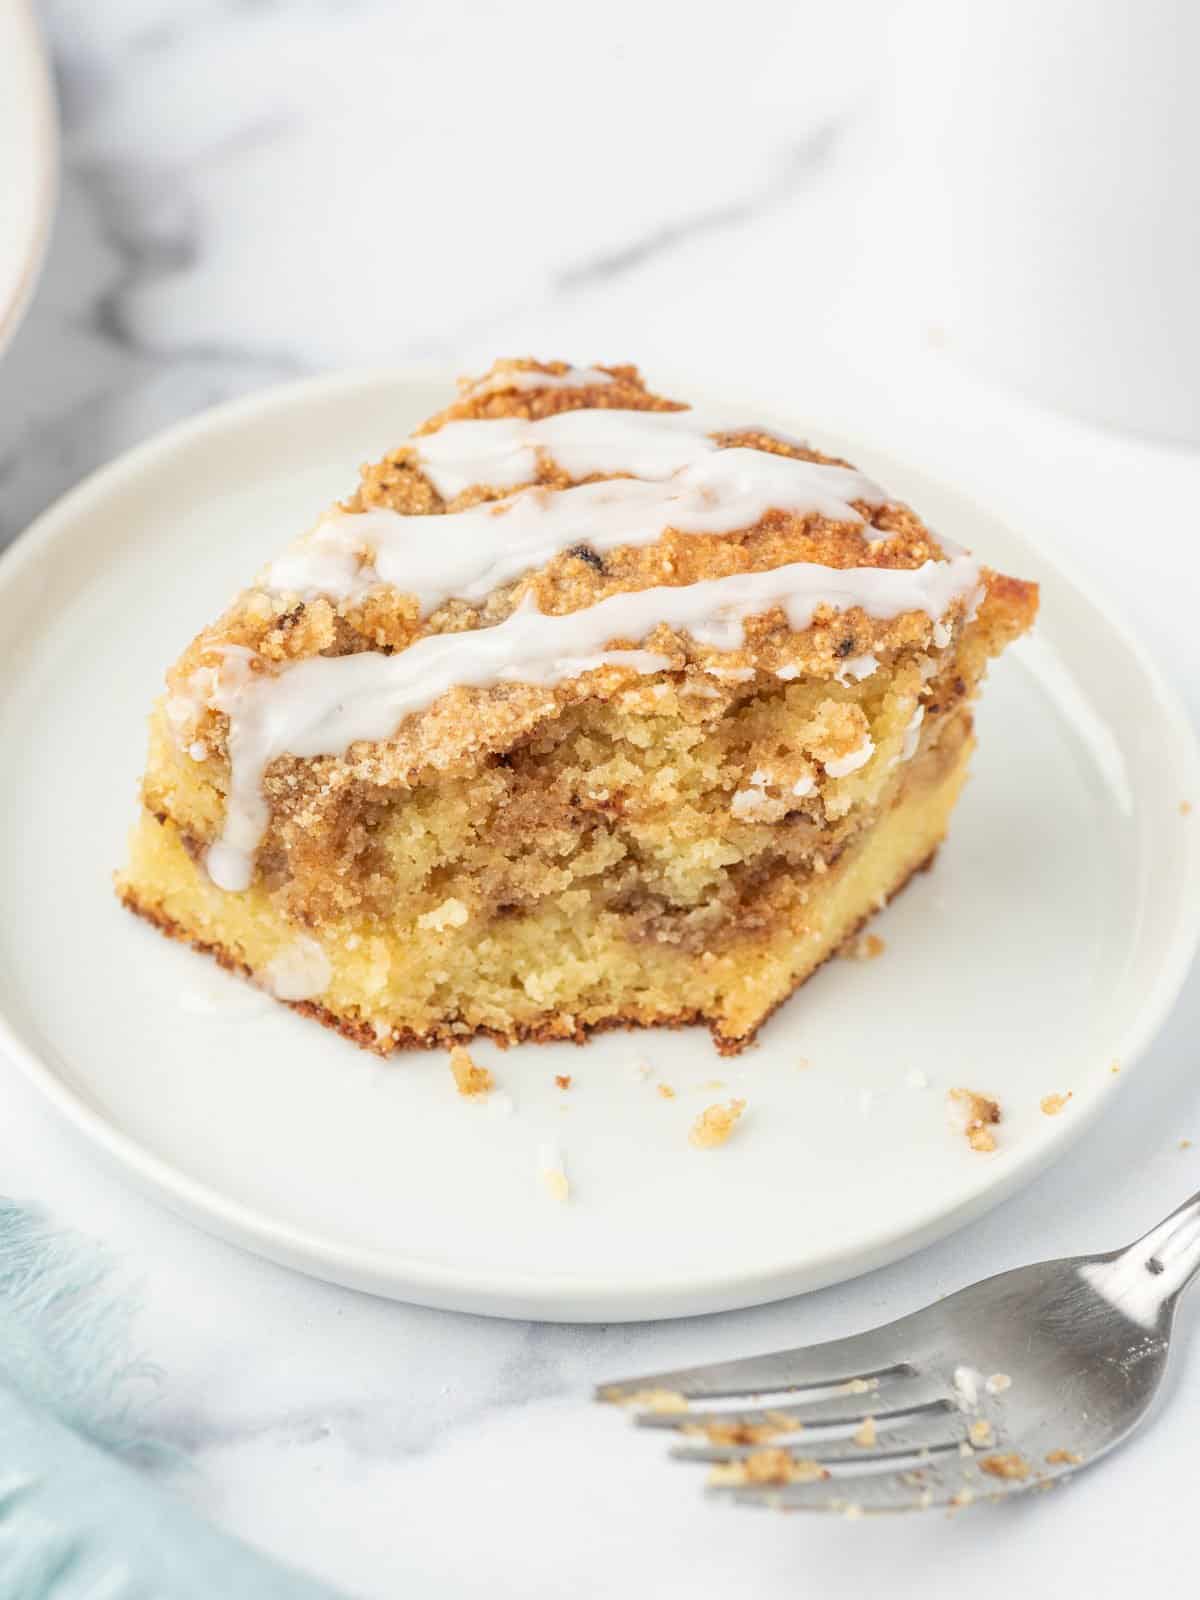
1170 1253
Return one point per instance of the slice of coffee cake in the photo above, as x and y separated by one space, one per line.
585 709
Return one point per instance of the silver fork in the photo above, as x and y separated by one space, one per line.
1008 1385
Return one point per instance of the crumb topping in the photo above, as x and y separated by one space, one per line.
265 630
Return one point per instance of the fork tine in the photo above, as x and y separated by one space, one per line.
873 1356
925 1426
946 1483
858 1361
836 1477
889 1491
823 1418
946 1476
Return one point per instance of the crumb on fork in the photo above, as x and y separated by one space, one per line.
662 1401
769 1465
469 1079
867 1435
975 1115
714 1125
1010 1465
740 1432
858 1386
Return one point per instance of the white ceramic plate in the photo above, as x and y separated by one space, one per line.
28 160
1050 939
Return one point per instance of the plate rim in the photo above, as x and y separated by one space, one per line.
34 67
517 1292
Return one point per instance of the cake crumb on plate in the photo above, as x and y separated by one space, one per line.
714 1125
974 1115
1052 1104
553 1173
469 1079
866 947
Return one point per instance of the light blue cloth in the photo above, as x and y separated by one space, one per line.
78 1520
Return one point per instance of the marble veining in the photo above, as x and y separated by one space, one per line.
253 191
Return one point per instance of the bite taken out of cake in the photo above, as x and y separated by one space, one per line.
584 709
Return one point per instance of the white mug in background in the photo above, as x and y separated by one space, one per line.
1057 145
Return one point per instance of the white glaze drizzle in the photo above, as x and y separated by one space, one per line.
912 734
855 668
843 766
504 452
523 378
467 554
322 705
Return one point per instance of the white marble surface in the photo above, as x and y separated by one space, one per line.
256 190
